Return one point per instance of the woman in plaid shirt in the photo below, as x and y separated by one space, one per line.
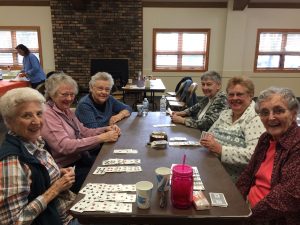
33 190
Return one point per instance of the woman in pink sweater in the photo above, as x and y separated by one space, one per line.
71 143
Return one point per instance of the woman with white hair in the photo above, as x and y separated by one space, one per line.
33 190
270 182
70 142
99 108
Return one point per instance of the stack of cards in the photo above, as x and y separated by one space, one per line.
125 151
218 199
120 161
159 144
178 139
200 201
117 169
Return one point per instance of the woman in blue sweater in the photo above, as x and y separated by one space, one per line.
31 67
99 108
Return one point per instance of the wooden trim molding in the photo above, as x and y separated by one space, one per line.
185 4
25 3
274 5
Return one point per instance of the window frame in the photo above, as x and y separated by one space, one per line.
282 53
180 53
13 29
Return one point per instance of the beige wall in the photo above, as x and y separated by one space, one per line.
32 16
233 41
232 45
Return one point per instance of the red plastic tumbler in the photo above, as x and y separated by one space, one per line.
182 186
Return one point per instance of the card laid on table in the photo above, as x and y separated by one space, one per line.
125 151
218 199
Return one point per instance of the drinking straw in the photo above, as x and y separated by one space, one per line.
183 161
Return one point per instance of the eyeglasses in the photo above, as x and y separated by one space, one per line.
65 95
100 89
276 112
238 94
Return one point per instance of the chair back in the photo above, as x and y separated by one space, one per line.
41 88
192 97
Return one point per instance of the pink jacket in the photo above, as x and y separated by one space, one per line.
61 138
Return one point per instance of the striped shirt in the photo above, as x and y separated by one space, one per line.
15 180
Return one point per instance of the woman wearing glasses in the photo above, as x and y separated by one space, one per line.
99 108
270 182
234 135
69 141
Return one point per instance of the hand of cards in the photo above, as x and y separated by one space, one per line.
204 135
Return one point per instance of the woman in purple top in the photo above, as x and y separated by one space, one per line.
70 142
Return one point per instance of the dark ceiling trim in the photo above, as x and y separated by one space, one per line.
185 4
25 3
275 5
240 4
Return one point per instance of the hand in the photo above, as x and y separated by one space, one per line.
181 113
65 182
22 74
109 136
211 144
114 128
115 119
64 171
178 119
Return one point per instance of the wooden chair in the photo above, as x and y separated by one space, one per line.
180 104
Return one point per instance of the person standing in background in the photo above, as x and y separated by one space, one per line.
31 67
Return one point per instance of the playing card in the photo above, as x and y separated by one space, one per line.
128 187
125 208
125 151
165 125
218 199
178 139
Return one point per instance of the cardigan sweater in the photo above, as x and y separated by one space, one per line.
282 204
91 117
219 103
238 138
33 69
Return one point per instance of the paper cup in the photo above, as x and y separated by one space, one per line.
163 178
143 194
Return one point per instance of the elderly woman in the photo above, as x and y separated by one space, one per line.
99 108
31 67
33 190
203 114
270 182
234 135
70 142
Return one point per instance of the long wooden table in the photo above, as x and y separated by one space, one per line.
6 85
155 86
135 135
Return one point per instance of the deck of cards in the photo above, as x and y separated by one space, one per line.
200 201
218 199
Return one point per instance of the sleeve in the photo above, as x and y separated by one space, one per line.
193 110
14 190
284 198
211 115
118 106
35 65
86 113
57 136
240 156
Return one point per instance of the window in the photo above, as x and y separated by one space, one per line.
10 37
277 51
180 49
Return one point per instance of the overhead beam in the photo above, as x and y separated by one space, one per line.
184 4
240 4
274 5
25 3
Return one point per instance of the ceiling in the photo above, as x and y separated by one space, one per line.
237 4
